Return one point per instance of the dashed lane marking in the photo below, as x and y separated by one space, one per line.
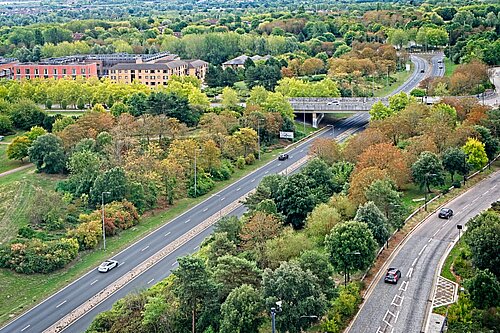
175 263
239 188
252 180
168 233
410 271
150 281
25 328
397 300
430 240
93 282
266 172
122 263
222 199
187 221
403 286
437 232
60 304
414 262
205 209
421 251
144 249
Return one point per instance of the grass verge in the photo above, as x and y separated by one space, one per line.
21 292
5 163
449 67
454 253
400 77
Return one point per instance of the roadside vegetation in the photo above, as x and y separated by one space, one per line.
473 264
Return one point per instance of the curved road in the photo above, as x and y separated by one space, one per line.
403 307
72 296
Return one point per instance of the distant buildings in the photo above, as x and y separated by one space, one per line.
239 62
150 69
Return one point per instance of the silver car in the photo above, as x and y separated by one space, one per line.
107 266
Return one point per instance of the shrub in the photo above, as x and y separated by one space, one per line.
48 104
118 215
250 159
240 162
456 184
203 185
36 256
343 308
87 234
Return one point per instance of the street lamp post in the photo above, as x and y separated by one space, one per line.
304 123
258 134
459 227
273 315
102 212
195 173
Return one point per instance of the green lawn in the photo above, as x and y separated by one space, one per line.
400 77
5 163
446 270
20 292
449 67
65 113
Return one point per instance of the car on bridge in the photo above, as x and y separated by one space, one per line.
393 275
334 102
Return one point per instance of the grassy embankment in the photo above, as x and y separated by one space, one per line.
400 77
21 292
449 67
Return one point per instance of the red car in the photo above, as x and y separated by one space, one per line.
393 275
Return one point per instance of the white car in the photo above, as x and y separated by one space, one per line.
107 266
335 102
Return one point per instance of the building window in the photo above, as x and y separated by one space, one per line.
36 71
73 71
45 71
55 71
27 71
147 77
18 71
83 70
64 71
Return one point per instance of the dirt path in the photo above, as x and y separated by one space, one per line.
16 169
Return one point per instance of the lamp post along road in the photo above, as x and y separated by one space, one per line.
258 134
102 212
427 188
346 271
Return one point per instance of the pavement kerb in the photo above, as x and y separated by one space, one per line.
396 250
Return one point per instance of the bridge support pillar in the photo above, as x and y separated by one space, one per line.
314 120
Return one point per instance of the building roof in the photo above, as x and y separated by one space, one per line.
242 58
196 63
142 66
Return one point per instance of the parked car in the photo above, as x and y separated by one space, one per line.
107 266
283 157
445 213
393 275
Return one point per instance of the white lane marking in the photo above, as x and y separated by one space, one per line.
486 192
252 180
168 233
175 263
187 221
93 282
61 304
403 286
436 232
266 172
410 271
205 209
379 330
144 249
421 251
475 199
150 281
222 199
239 188
396 319
430 240
196 248
122 263
279 164
414 262
25 328
302 151
465 206
397 298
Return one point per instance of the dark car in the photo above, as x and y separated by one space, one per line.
422 71
393 275
107 266
283 157
445 213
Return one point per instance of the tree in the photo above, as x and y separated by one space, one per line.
242 311
113 181
317 263
321 221
346 239
60 124
232 272
399 102
18 148
84 167
326 149
476 154
384 194
484 289
379 111
194 287
231 225
376 221
229 98
26 114
428 170
484 242
220 245
47 153
299 292
455 161
6 126
491 144
362 180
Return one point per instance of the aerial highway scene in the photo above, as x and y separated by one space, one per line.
251 166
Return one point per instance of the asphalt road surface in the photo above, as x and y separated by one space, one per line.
437 65
69 298
403 307
419 73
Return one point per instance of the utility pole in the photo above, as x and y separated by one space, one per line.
102 212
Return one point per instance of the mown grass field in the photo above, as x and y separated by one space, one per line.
5 163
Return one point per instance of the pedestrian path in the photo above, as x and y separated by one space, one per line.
16 169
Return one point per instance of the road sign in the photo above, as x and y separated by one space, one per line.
286 135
